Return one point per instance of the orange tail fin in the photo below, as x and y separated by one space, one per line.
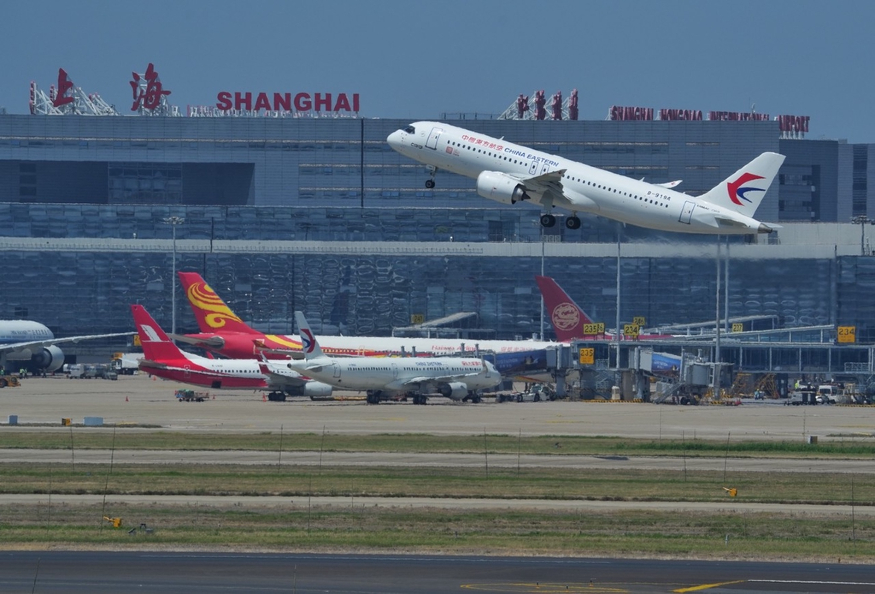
565 315
210 311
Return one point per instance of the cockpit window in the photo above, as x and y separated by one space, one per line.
410 130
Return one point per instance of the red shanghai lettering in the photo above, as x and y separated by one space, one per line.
148 90
64 86
319 102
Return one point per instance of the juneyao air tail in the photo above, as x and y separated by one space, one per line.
510 173
569 320
222 331
164 359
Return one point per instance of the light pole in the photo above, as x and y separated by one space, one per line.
862 220
173 222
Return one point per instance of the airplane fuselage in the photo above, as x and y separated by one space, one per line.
497 165
396 374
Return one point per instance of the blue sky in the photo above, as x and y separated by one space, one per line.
416 60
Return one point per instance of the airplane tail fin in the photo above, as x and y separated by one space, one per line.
566 316
744 190
211 312
157 346
308 342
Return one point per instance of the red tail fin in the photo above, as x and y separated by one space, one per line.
156 344
210 311
565 315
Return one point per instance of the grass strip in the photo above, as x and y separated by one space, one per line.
448 482
730 535
134 439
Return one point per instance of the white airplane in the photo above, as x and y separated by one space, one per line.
24 343
452 377
511 173
164 359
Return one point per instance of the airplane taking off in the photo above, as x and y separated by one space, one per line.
511 173
223 332
32 345
164 359
569 320
451 377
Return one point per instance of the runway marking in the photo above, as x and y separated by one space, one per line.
544 587
707 586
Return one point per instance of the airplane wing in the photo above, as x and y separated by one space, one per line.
551 183
213 342
17 346
446 378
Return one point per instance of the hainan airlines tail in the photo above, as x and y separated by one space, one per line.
157 346
308 341
744 190
210 311
566 316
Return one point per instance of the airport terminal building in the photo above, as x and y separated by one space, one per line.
320 214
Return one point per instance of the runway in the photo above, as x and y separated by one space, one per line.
185 572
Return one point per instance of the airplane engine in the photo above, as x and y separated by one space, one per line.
453 390
501 187
316 389
49 359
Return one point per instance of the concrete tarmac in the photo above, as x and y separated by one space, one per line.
142 402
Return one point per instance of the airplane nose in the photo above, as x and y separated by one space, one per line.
394 139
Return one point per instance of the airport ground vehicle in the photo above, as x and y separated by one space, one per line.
126 363
186 395
10 381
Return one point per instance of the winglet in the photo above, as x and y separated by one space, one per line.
211 313
308 342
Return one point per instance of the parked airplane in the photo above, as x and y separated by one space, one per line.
164 359
223 332
569 321
451 377
24 343
511 173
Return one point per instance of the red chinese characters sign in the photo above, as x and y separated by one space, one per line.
147 89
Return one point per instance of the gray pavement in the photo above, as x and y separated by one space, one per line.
140 402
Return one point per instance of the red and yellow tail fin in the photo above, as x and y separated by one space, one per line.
210 311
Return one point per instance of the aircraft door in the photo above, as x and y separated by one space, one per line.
687 212
433 137
336 371
533 168
394 370
187 372
545 167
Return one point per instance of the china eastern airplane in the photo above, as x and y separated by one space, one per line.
24 343
164 359
452 377
223 332
511 173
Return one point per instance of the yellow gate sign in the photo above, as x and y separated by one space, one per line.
631 330
638 321
417 318
593 329
587 356
737 327
847 334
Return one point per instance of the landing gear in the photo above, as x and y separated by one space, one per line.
548 220
373 397
432 170
420 399
572 222
277 397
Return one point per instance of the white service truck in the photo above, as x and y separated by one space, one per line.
126 363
